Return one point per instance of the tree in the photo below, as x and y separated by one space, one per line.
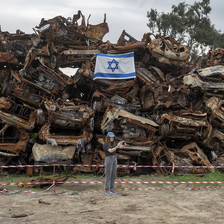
189 24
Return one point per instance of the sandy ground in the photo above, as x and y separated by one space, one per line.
75 204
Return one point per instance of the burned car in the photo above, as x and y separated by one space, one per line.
68 126
185 125
210 80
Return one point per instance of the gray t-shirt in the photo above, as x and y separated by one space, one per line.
106 146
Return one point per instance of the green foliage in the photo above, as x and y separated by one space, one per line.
189 24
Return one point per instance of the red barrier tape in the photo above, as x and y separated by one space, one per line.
5 191
118 182
119 166
173 188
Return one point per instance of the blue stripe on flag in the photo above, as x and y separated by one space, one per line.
116 55
114 76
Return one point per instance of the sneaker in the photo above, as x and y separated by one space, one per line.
113 191
108 193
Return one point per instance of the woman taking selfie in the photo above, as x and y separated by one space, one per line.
110 164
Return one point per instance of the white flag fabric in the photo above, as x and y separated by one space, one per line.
114 66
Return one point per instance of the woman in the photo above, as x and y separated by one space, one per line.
110 148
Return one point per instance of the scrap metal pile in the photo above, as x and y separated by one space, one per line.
171 114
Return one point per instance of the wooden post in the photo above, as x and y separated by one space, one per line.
54 177
29 171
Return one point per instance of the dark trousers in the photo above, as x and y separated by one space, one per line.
110 171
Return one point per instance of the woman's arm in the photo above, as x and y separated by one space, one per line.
113 149
119 146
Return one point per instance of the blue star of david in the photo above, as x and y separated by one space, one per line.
114 67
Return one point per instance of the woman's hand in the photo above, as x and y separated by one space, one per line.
121 144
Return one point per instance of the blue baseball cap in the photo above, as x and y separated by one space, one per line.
110 134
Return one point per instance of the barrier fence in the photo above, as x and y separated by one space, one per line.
101 182
5 191
119 166
117 182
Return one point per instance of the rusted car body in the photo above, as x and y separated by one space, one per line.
187 126
208 79
13 140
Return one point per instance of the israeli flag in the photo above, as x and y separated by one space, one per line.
114 66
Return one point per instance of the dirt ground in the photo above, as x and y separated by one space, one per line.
78 203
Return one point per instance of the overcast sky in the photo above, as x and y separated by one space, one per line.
129 15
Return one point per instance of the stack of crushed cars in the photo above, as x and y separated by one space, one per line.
51 110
